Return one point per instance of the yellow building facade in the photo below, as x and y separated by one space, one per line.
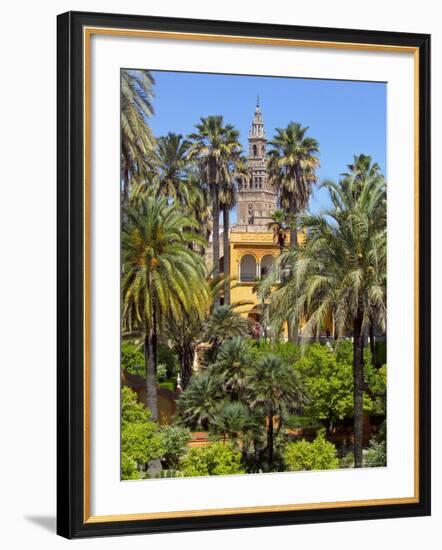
251 241
251 255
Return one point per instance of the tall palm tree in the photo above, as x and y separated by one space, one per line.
292 164
137 140
171 166
341 270
214 147
274 388
361 170
279 227
198 206
237 167
162 277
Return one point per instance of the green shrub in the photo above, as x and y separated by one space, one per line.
327 377
215 460
174 439
347 461
163 474
376 455
295 421
129 467
320 454
327 382
377 382
168 385
140 438
167 357
161 372
132 358
289 352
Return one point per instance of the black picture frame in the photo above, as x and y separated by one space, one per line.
71 520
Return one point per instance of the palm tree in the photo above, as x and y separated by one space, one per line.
214 147
233 363
224 323
137 141
162 277
231 419
361 170
341 271
197 205
171 166
184 337
196 405
292 168
273 387
279 227
237 167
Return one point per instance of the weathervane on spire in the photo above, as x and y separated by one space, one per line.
257 100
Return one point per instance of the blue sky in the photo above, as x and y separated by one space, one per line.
346 117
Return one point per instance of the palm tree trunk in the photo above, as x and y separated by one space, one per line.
270 438
292 328
125 191
372 344
186 361
358 388
226 247
151 382
293 229
215 233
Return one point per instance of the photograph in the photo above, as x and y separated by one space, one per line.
253 255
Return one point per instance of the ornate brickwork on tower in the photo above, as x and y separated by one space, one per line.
256 199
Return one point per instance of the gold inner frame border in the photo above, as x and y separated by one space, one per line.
88 32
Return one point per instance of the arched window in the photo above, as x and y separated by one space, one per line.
266 264
247 269
255 151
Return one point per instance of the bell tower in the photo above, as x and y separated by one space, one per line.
256 196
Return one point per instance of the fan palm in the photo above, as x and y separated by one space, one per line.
274 388
196 406
184 337
162 277
137 141
292 168
224 324
214 147
233 362
231 419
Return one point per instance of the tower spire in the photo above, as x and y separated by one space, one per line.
256 195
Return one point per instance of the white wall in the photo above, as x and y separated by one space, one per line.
27 218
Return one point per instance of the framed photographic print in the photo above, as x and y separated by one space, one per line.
243 274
